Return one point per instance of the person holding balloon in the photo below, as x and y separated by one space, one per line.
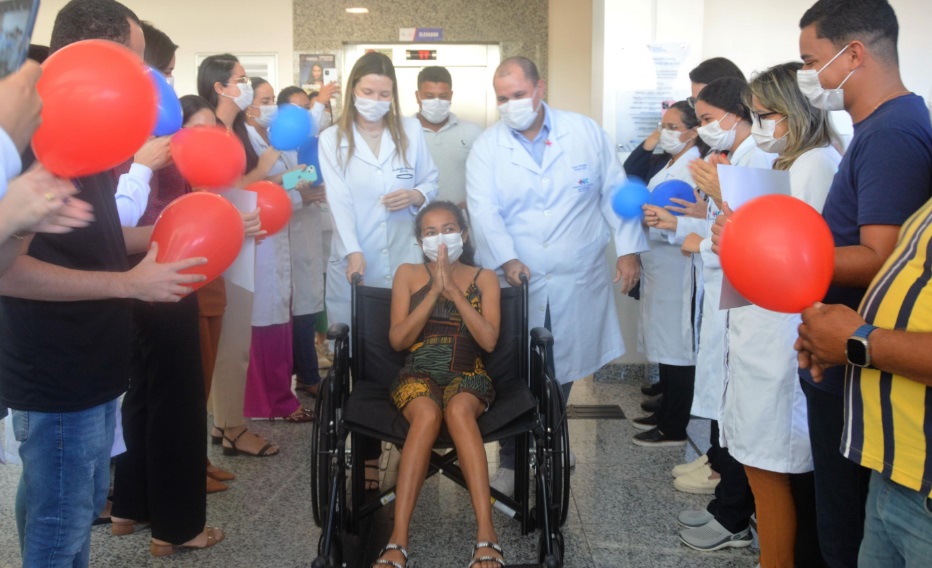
222 81
726 127
668 283
764 419
379 173
268 378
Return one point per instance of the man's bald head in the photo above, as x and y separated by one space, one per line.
518 64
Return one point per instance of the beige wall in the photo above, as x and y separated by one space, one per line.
520 27
205 27
570 55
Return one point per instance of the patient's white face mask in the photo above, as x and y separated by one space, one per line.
431 246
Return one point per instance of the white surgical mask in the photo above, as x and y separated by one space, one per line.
820 97
170 81
670 142
431 246
518 114
267 114
435 111
716 137
244 98
370 109
764 137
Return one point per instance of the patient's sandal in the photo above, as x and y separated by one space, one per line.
389 547
494 546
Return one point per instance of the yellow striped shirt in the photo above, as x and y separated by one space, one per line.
888 418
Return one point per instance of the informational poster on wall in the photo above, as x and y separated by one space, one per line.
315 70
661 81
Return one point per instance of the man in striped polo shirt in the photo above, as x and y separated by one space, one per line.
887 346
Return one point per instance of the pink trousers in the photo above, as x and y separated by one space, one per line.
268 379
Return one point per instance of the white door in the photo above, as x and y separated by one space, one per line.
471 66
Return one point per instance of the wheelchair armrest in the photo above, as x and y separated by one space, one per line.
338 331
541 336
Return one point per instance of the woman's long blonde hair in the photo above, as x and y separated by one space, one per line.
369 64
808 127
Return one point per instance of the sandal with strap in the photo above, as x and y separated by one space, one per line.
215 438
388 547
264 451
494 546
158 549
300 416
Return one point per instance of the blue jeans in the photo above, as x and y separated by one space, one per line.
66 477
898 529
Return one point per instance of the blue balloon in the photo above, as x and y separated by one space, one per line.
671 188
290 128
629 197
307 155
170 115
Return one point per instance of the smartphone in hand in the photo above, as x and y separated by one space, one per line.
17 20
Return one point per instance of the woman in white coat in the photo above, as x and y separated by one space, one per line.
668 284
763 422
268 378
379 174
726 127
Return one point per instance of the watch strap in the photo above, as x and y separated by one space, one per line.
864 331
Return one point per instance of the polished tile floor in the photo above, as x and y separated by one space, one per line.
622 513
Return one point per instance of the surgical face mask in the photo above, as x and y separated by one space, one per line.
435 111
267 114
764 137
820 97
170 81
431 246
518 114
370 109
671 143
716 137
244 98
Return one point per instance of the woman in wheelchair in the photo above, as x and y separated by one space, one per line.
443 312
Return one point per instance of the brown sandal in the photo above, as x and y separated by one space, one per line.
214 536
233 450
124 527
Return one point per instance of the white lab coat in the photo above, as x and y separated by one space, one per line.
361 223
307 260
556 218
667 284
710 360
763 419
271 303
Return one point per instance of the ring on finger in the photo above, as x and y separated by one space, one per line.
49 196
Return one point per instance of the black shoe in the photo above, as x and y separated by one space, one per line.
656 439
652 404
646 423
653 390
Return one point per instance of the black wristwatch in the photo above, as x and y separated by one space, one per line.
857 349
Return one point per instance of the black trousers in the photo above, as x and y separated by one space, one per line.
734 503
678 385
161 477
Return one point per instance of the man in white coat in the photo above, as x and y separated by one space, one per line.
538 193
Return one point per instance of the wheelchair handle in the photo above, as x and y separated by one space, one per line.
541 336
356 278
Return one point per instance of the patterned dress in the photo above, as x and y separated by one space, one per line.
445 360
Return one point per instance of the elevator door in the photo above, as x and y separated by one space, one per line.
471 66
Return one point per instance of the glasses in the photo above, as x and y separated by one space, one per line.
669 126
241 81
762 116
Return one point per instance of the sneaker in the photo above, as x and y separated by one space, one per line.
685 468
694 518
753 522
648 422
651 390
697 481
656 439
504 481
713 536
652 404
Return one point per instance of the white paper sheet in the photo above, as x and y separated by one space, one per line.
739 185
243 270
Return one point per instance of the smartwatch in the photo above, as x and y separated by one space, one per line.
857 348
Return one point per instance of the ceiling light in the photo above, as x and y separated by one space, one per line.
359 10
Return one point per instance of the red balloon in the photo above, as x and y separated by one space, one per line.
99 107
778 252
211 158
199 224
274 203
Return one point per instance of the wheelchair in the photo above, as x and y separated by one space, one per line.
353 402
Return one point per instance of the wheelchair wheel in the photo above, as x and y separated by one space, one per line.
322 444
556 559
557 460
